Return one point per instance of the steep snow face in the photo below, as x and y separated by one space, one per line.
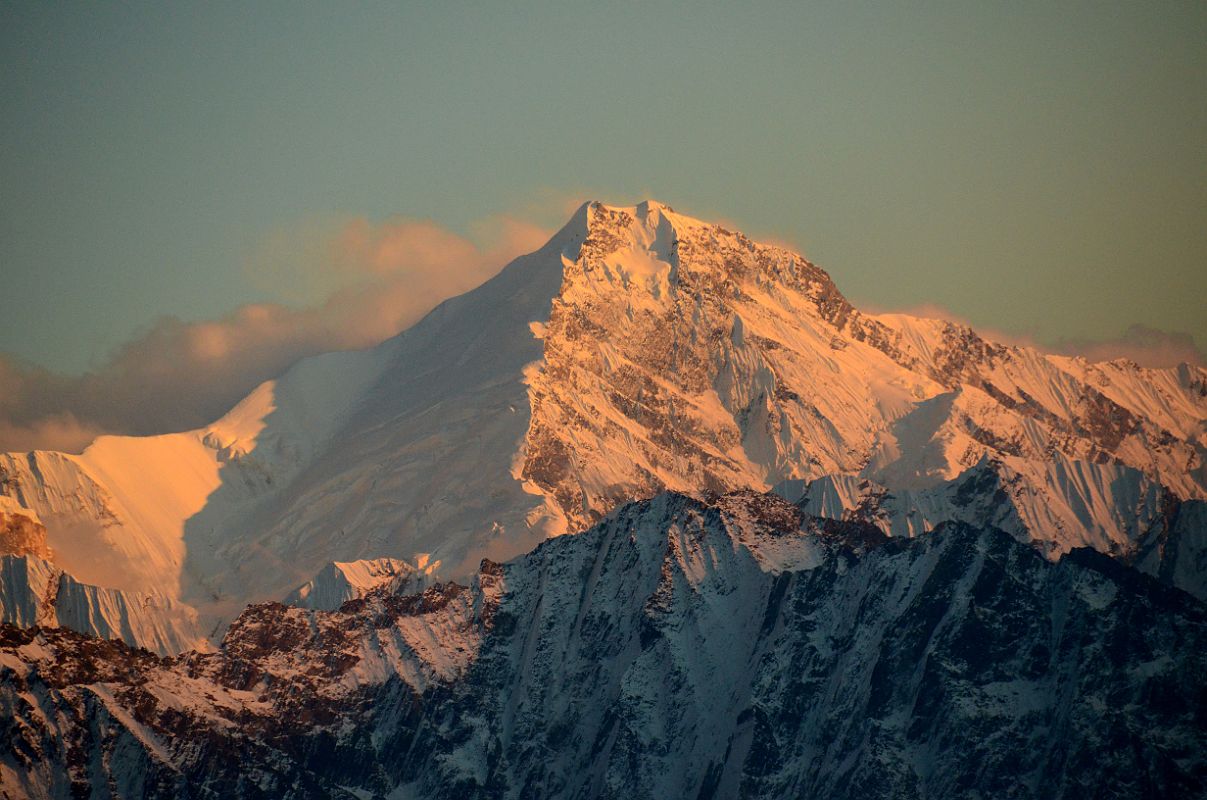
35 592
1019 402
638 350
28 587
1059 504
117 514
423 466
404 449
341 581
683 647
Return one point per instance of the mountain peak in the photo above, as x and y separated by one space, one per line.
649 249
640 350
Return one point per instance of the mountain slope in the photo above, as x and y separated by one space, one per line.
639 350
34 592
339 582
680 648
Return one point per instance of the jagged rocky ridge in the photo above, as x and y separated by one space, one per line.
683 647
639 350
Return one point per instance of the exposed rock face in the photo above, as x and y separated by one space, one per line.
21 532
1161 535
710 647
20 535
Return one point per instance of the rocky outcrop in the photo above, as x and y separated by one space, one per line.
21 532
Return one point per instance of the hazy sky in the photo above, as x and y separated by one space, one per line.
1039 169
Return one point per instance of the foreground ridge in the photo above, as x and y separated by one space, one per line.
683 647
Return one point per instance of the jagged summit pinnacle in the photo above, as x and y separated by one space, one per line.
648 213
651 248
642 208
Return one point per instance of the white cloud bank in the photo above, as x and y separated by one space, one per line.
381 278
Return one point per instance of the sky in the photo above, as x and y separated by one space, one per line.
196 195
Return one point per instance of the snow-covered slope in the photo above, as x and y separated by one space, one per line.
640 349
1058 503
341 581
682 648
35 592
1111 508
116 514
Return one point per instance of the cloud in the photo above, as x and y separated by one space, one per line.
376 278
934 311
60 432
1147 346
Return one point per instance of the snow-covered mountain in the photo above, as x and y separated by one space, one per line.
639 350
339 582
684 647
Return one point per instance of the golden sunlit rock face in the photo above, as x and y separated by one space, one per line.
681 355
22 536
